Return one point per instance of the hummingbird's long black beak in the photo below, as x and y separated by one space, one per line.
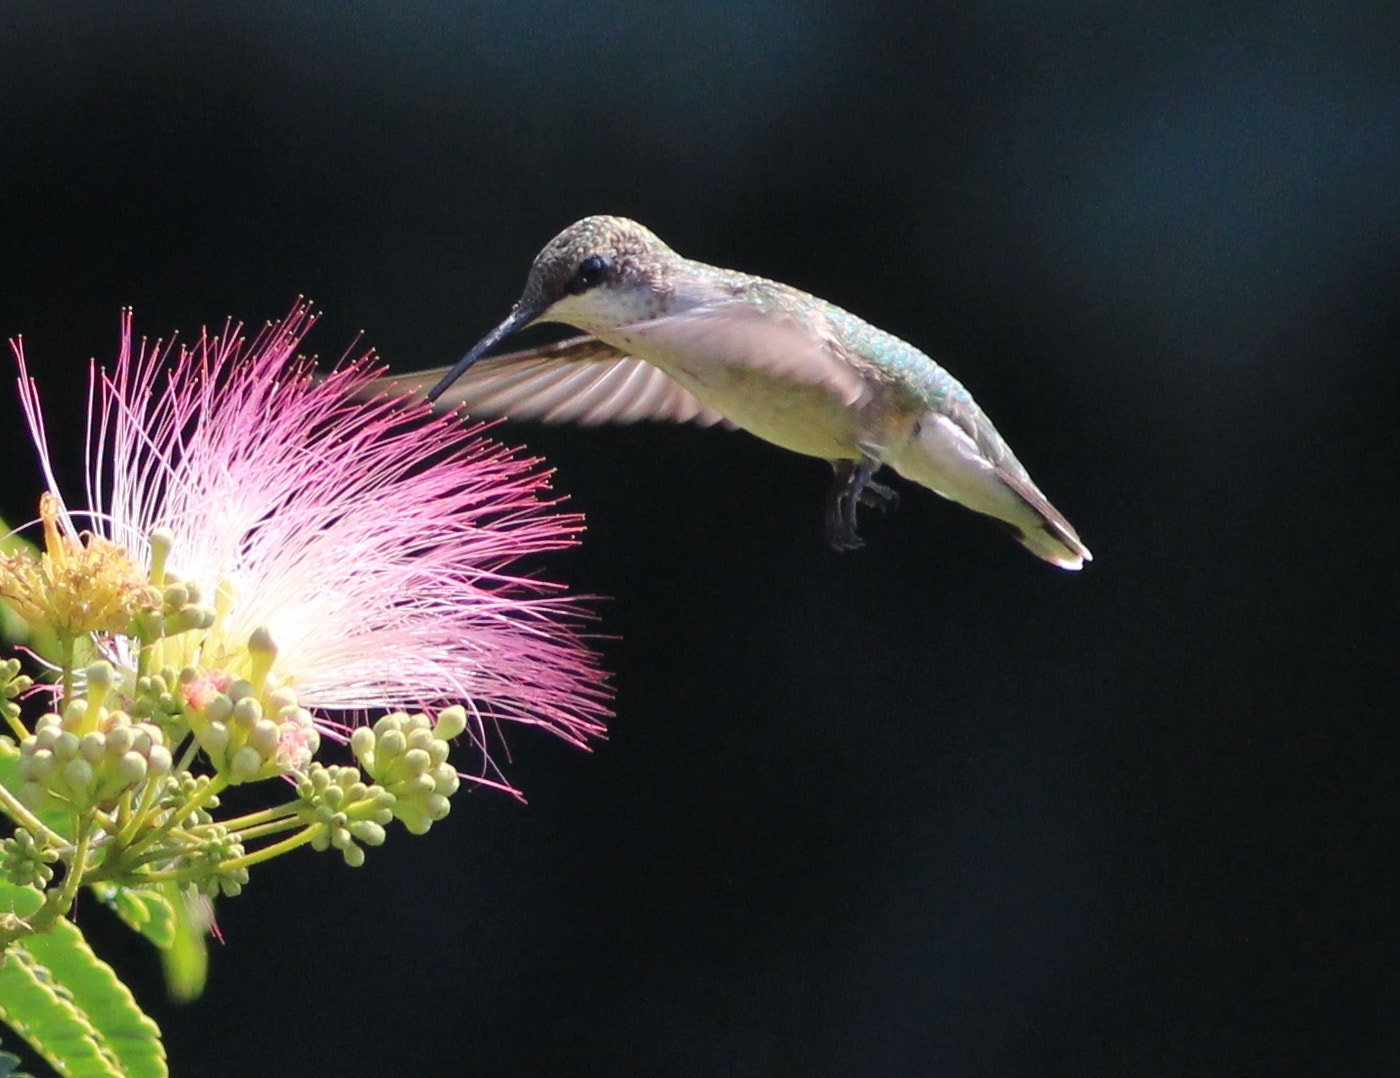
521 315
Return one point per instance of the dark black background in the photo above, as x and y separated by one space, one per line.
930 808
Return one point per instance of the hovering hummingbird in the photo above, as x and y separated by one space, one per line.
670 338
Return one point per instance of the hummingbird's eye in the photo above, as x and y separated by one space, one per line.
589 273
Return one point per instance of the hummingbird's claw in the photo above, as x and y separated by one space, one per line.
840 536
880 497
853 486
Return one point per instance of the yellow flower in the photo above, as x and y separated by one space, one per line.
78 585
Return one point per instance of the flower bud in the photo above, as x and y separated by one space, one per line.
403 753
61 770
342 810
24 862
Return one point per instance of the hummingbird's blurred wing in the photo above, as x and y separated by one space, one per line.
580 380
776 342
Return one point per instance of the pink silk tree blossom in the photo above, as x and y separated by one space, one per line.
377 543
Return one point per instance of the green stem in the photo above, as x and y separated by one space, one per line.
17 811
60 902
140 853
244 834
199 872
67 642
123 819
253 819
267 853
187 757
216 785
17 726
139 817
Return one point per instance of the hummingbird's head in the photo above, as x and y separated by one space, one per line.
599 273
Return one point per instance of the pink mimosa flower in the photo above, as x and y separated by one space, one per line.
374 541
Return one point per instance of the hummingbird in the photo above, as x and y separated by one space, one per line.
666 337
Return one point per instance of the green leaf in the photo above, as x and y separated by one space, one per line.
186 960
176 923
144 909
11 542
121 1027
21 901
44 1015
13 628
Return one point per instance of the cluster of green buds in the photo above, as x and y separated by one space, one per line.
24 861
62 769
119 783
248 730
13 685
180 605
407 755
90 755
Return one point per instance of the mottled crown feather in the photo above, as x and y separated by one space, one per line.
627 244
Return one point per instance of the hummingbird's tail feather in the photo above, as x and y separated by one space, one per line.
1066 551
968 462
1051 537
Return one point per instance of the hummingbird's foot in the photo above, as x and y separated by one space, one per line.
853 485
878 496
842 536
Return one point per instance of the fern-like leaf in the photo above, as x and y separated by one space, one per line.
122 1028
44 1014
143 909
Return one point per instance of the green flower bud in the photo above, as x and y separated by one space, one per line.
158 758
281 699
162 542
451 723
92 746
264 736
59 769
247 711
120 739
180 791
78 773
243 743
13 685
246 763
157 697
24 862
131 768
343 810
218 709
362 742
98 680
408 757
179 605
75 714
216 847
214 739
368 832
263 651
